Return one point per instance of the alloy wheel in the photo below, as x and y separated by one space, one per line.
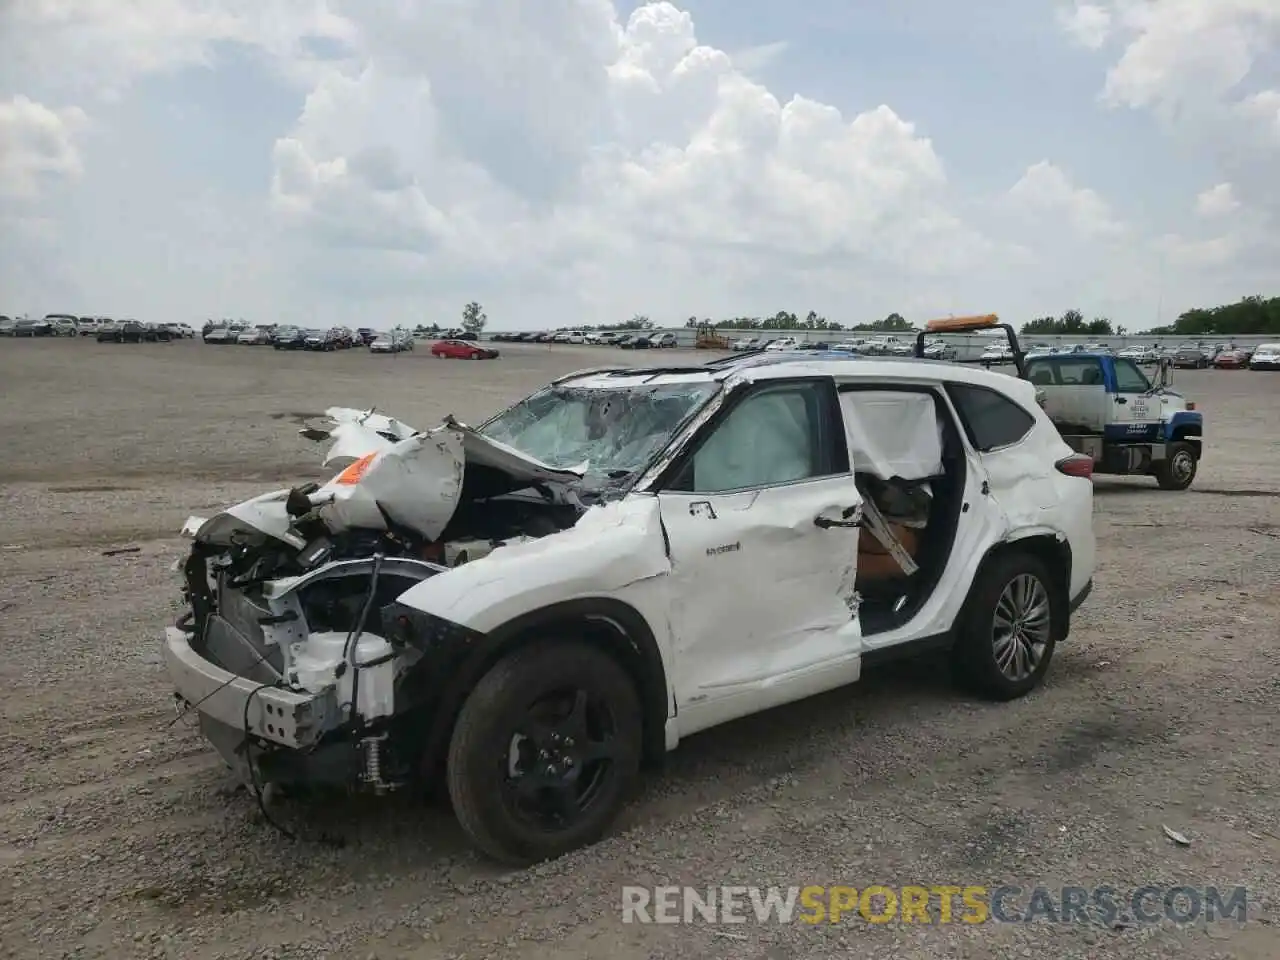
1021 627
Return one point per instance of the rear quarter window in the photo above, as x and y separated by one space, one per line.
990 419
1078 372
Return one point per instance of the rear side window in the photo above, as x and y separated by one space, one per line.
1082 372
990 419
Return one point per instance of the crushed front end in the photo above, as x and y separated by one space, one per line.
293 655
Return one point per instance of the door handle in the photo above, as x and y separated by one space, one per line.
827 523
1122 399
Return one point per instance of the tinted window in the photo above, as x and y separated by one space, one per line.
990 419
1129 379
773 436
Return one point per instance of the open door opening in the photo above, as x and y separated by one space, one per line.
909 466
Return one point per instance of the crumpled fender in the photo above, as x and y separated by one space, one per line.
373 421
353 441
358 433
417 482
611 550
254 520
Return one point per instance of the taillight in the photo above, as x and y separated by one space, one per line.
1076 465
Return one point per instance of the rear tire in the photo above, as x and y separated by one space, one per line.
1009 628
506 812
1178 470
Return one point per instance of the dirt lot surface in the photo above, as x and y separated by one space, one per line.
121 834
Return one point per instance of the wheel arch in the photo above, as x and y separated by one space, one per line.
610 624
1049 548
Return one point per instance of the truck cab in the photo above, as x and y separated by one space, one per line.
1106 407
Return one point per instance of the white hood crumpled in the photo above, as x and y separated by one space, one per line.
390 471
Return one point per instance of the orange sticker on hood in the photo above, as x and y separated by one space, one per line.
354 473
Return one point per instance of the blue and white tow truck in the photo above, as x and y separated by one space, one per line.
1107 407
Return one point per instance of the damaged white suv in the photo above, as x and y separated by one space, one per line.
529 610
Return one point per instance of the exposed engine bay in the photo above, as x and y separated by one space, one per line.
294 591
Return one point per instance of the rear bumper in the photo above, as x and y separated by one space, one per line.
284 717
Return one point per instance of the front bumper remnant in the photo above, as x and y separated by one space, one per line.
295 720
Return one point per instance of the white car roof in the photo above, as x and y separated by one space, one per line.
901 370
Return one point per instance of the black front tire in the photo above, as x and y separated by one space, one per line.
975 660
1178 470
478 775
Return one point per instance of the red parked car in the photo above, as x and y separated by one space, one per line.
1231 360
462 350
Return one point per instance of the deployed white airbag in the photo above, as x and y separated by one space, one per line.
893 434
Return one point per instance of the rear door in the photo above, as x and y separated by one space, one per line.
761 518
1014 475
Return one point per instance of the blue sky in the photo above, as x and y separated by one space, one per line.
580 161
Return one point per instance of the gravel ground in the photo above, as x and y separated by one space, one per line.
121 834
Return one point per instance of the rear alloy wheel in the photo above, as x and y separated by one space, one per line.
545 751
1009 628
1177 470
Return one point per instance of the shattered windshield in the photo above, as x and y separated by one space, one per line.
612 431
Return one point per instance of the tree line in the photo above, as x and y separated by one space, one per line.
1251 315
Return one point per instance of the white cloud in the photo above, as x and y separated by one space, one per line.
1178 54
669 159
1199 254
1263 109
1197 65
557 160
37 145
1088 23
1217 201
752 59
1046 193
99 47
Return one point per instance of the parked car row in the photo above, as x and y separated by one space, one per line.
292 337
72 327
283 336
635 340
69 325
1186 356
1199 355
133 331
